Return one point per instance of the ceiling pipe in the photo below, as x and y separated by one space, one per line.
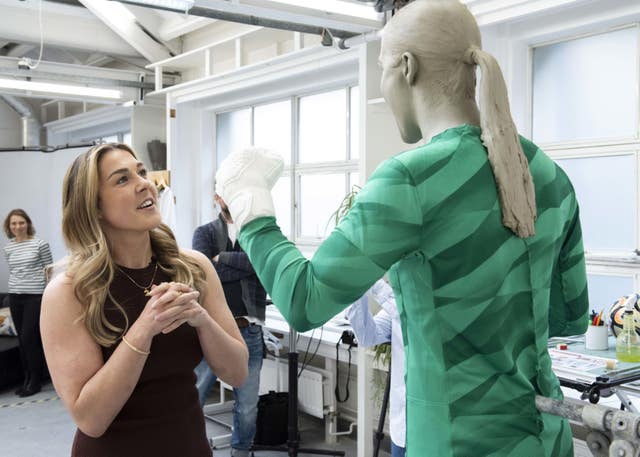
49 149
252 20
30 125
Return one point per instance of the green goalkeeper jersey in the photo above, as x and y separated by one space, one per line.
477 304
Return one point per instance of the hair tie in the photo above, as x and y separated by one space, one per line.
469 55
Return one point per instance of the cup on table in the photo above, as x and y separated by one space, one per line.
596 338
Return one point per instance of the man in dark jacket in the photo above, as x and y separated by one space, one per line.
247 300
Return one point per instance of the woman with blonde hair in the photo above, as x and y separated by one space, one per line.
126 324
478 229
27 257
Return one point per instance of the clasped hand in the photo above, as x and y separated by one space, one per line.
171 305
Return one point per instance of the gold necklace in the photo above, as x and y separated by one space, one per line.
145 289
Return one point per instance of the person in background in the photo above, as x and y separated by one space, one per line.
246 298
27 257
128 321
385 327
478 229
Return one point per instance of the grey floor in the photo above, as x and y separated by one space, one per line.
39 426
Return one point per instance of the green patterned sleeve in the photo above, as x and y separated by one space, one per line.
569 310
383 225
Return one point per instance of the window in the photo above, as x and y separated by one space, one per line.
272 128
604 290
323 127
606 191
317 135
585 106
587 88
320 196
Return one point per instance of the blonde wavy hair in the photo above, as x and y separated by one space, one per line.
90 264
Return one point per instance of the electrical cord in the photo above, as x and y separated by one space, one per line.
29 64
306 363
306 352
347 338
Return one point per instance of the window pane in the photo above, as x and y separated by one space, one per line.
282 202
354 179
110 139
126 138
605 290
586 88
605 187
272 128
320 196
354 122
233 133
323 129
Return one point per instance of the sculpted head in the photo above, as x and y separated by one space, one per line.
427 46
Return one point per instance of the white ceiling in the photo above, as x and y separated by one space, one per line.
101 34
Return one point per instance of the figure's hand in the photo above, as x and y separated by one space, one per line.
244 181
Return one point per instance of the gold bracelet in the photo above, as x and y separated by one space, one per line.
133 348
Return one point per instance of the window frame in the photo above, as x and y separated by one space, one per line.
604 263
295 170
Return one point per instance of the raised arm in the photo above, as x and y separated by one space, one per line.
383 226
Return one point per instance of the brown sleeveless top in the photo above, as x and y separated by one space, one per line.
162 417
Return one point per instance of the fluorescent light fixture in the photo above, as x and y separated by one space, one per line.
180 5
61 89
337 7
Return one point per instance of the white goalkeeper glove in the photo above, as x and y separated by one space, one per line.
244 181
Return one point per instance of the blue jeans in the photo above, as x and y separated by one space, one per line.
245 408
396 451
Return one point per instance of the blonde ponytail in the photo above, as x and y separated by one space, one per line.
499 135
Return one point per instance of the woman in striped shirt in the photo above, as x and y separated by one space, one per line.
27 257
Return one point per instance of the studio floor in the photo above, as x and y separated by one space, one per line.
39 426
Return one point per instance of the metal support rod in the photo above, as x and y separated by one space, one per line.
612 431
245 19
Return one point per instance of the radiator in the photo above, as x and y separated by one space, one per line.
311 385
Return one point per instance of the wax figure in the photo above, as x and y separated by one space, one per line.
480 234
